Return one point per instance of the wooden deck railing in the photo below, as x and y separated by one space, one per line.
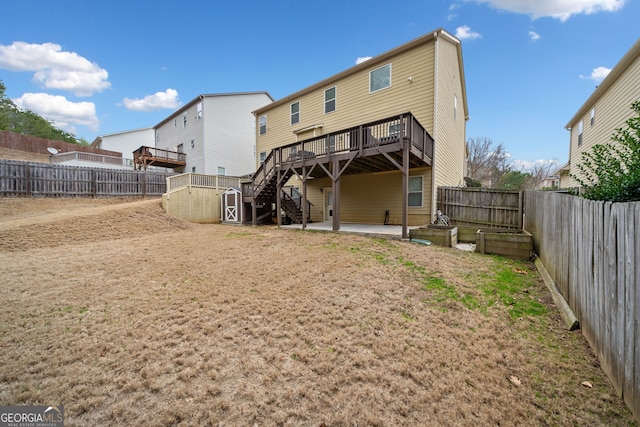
379 133
200 180
159 154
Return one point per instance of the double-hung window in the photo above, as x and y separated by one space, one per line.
415 191
380 78
580 133
330 100
295 113
263 124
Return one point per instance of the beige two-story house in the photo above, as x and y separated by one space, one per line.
607 109
368 145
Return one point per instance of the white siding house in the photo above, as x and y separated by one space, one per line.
126 142
215 131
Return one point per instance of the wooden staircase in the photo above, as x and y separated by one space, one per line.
396 142
291 204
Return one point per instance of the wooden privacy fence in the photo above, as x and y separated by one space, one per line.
592 252
49 180
482 207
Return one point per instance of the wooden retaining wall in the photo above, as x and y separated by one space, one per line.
482 207
24 179
592 252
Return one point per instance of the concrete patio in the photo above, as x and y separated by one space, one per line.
375 230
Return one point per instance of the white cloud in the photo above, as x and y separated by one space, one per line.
559 9
157 101
452 15
534 36
55 68
63 113
465 33
598 74
362 59
527 166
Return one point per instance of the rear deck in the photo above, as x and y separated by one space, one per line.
397 142
150 156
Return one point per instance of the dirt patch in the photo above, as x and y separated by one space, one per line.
25 156
127 316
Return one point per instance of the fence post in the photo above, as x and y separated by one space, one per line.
144 184
27 176
94 184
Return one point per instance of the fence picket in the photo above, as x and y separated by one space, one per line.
51 180
601 249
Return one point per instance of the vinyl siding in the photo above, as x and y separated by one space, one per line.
127 142
450 131
355 105
171 136
612 109
229 132
364 198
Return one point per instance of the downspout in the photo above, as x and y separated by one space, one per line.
202 142
434 188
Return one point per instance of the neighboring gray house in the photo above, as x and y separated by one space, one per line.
126 142
216 132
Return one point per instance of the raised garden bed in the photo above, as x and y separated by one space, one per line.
441 235
467 233
516 244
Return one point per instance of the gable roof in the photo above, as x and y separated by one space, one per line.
626 61
210 95
427 38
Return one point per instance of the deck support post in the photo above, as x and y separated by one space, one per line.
405 188
336 195
304 198
254 210
278 200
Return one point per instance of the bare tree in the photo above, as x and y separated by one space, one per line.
487 161
541 170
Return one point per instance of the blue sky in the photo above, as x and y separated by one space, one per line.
97 67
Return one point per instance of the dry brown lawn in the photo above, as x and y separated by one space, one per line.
129 317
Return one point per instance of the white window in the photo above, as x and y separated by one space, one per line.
580 133
193 143
199 111
380 78
263 157
184 120
175 123
193 169
180 148
263 125
330 100
295 113
157 136
221 171
415 191
593 116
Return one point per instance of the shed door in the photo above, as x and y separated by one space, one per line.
231 206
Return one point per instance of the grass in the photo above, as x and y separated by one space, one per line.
284 329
